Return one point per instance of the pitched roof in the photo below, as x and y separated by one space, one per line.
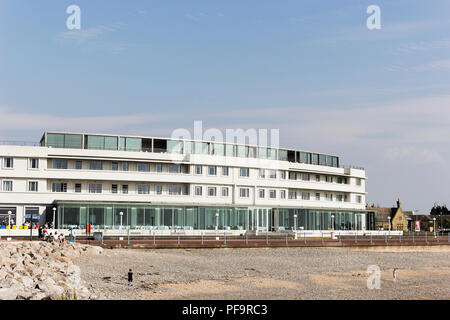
384 212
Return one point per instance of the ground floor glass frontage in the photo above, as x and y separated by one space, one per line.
116 216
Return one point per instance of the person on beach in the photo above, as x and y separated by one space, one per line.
130 277
394 274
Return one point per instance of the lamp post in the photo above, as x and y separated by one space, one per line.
332 222
295 222
434 226
54 215
217 221
9 218
389 219
121 214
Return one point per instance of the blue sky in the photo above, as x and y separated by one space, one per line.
378 98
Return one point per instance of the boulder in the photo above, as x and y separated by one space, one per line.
94 250
8 293
27 282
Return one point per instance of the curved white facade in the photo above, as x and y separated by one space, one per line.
44 176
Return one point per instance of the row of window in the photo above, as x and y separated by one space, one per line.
178 190
8 163
124 188
8 185
198 170
185 147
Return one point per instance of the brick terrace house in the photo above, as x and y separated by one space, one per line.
399 219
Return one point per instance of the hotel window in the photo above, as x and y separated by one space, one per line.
174 168
124 166
59 164
212 191
318 177
242 151
244 192
305 176
124 188
114 166
224 191
272 194
198 190
305 157
272 174
345 198
59 187
78 164
198 169
212 170
33 186
230 150
282 155
261 193
318 196
322 160
219 149
283 194
292 175
329 178
7 185
329 196
225 171
244 172
305 195
358 199
292 195
283 175
358 181
95 188
262 173
159 167
158 189
114 188
339 198
174 190
315 159
8 163
78 187
143 167
339 179
34 163
95 165
143 189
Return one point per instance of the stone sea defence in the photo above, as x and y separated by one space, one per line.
41 270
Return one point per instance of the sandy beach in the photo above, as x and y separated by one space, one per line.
283 273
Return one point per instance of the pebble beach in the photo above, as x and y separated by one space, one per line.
275 273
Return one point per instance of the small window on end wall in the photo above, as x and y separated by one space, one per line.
8 163
34 163
33 186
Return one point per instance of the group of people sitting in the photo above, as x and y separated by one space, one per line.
50 236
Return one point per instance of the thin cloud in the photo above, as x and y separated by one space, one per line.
83 35
424 46
434 65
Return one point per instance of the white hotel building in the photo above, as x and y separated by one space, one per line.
162 183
